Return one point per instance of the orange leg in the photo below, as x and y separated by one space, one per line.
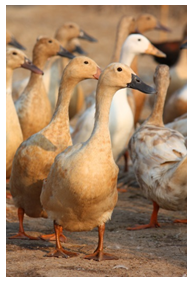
59 251
180 221
153 221
98 254
52 237
22 234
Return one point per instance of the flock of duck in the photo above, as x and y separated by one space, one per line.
70 174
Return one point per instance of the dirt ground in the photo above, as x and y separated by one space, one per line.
154 252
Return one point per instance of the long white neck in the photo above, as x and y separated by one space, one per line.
120 98
126 56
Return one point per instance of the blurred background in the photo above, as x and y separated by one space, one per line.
26 23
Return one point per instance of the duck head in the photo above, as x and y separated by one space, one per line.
48 47
138 43
118 75
16 58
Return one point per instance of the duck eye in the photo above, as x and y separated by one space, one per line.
148 18
85 62
139 39
119 69
50 41
14 53
71 26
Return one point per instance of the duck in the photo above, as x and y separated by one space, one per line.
11 40
53 69
65 34
159 157
121 119
15 58
144 23
34 157
80 192
34 95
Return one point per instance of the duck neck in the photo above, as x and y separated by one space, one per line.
39 60
156 117
122 33
126 56
103 102
61 114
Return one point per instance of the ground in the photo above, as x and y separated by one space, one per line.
157 252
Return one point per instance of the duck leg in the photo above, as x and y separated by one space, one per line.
153 221
22 234
52 237
59 251
98 254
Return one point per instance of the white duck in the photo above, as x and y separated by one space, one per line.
35 156
121 120
159 157
14 59
33 106
80 192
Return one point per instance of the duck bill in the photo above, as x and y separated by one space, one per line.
97 74
64 53
137 83
16 44
30 66
154 51
84 35
159 26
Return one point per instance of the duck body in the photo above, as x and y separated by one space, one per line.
159 152
31 105
85 205
32 163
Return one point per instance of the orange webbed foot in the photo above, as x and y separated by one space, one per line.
60 252
150 225
23 236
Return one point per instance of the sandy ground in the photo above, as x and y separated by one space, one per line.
154 252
